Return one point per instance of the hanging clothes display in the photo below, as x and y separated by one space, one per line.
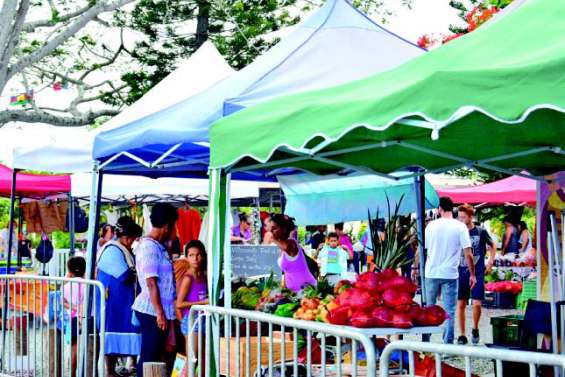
53 215
45 216
188 224
31 216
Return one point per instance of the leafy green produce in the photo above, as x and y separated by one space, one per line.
287 310
246 298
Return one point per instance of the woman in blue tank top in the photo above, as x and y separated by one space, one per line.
511 240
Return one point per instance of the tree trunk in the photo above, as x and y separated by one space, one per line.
202 22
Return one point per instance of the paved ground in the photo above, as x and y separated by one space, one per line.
479 367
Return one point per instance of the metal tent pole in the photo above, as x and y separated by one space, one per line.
539 218
93 223
552 301
10 241
71 224
20 230
420 190
91 251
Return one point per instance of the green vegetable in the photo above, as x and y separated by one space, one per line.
508 275
287 310
246 298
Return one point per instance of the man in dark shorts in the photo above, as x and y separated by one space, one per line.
480 241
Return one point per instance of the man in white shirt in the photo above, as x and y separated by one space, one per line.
445 238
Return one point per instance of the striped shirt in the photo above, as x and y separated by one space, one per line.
152 260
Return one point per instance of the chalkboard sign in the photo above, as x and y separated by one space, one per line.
254 260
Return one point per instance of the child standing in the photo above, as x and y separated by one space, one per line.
333 259
73 298
193 290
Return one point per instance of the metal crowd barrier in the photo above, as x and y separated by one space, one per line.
253 344
533 359
48 327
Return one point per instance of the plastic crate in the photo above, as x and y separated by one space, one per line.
507 331
529 292
499 300
511 368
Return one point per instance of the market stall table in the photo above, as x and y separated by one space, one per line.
382 332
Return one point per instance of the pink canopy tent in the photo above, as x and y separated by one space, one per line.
33 185
514 189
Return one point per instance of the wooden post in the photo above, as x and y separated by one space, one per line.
55 357
154 370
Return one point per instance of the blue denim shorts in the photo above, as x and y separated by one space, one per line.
184 325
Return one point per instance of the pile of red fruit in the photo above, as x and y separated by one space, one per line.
382 299
513 287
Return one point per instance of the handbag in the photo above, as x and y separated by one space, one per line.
44 251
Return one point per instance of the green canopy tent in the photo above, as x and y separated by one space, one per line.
493 99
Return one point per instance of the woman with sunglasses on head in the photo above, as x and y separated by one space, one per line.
241 233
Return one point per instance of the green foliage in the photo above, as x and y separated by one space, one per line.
301 235
4 212
475 175
61 240
464 10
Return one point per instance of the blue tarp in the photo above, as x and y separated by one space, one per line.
315 200
335 45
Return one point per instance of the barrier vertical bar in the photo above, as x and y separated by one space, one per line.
247 349
93 224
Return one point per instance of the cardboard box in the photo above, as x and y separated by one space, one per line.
253 357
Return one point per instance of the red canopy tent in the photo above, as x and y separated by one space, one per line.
514 189
33 185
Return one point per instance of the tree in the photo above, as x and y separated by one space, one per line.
104 55
473 16
29 45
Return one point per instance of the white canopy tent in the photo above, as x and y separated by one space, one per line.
37 146
118 187
205 68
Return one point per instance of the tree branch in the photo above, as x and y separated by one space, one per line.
41 116
10 34
99 96
31 26
77 25
109 61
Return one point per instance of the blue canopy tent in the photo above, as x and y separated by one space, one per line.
314 200
335 45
